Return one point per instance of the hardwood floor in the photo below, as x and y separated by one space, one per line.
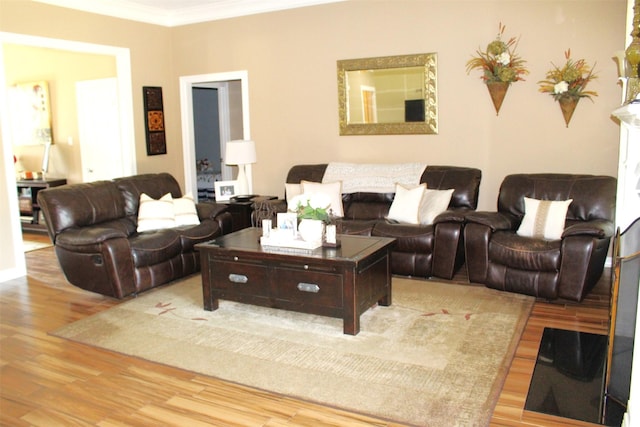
47 381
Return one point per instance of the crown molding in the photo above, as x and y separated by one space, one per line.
167 16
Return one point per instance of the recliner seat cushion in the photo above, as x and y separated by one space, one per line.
153 247
524 253
355 227
409 237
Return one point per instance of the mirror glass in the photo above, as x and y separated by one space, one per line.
388 95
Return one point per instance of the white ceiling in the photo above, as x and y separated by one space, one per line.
181 12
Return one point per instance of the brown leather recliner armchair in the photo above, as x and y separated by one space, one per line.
566 268
93 227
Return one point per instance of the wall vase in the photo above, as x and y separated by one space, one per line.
497 90
567 105
311 230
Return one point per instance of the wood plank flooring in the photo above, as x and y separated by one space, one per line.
47 381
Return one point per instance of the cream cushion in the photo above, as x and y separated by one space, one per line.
544 218
185 211
333 190
405 207
434 202
155 214
292 190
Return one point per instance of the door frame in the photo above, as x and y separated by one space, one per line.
186 112
9 206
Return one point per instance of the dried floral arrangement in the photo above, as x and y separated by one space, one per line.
499 62
570 80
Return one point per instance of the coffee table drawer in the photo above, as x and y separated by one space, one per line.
320 289
237 277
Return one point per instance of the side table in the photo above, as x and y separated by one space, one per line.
241 212
28 196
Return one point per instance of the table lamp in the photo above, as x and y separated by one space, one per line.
241 153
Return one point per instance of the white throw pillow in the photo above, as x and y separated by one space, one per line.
406 204
292 190
331 189
544 218
185 210
434 202
155 214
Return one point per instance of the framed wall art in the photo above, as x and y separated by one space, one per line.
154 120
30 111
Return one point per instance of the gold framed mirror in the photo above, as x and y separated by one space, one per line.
391 95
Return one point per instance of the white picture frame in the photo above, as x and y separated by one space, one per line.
287 223
225 190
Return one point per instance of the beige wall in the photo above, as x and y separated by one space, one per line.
61 69
291 60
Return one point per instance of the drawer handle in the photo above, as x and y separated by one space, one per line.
308 287
238 278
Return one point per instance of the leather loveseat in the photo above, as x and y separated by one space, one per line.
420 250
94 230
501 256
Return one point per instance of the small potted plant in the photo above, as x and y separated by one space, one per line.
500 66
313 213
567 84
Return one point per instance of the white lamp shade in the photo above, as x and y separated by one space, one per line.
240 152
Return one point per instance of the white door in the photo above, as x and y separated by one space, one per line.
99 129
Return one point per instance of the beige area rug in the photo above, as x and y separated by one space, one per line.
438 356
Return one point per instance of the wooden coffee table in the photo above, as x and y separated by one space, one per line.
338 282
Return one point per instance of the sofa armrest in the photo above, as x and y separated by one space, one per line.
494 220
453 215
217 212
210 210
599 228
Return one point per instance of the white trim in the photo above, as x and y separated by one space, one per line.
186 114
14 240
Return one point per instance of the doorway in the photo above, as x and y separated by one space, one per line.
233 119
14 265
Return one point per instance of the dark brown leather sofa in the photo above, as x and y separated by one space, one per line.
566 268
93 227
420 250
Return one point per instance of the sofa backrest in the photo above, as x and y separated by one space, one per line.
154 185
594 196
464 180
80 205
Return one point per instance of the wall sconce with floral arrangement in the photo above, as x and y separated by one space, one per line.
500 66
567 84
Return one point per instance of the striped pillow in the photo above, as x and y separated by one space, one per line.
185 211
544 219
155 214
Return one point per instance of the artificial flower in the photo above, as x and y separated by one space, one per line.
561 87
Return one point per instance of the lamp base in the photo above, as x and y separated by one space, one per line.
242 188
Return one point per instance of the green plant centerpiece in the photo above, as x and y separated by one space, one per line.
567 84
500 66
313 213
311 206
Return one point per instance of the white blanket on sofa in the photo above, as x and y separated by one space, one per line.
373 178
